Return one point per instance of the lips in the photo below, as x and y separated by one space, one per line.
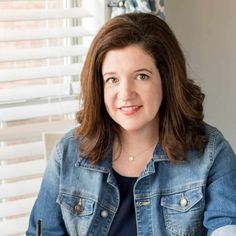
129 110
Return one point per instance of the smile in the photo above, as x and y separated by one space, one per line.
129 110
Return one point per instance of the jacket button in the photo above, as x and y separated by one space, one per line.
183 202
78 207
104 214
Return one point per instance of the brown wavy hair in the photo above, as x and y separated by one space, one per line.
181 124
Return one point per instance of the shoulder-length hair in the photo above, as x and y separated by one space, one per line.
181 113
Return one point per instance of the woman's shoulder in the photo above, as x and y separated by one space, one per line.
214 135
68 150
68 145
210 131
69 135
69 138
218 146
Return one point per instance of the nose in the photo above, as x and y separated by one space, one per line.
126 90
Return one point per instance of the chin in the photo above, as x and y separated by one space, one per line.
131 128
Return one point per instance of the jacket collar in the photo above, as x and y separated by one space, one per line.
105 165
102 166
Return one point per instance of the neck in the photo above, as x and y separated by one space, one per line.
134 152
134 142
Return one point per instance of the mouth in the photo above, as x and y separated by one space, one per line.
129 110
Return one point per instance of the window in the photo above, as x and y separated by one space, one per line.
42 47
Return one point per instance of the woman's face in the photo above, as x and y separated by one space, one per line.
132 88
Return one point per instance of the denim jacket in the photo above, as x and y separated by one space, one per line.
196 197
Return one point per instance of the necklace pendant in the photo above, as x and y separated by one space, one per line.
131 158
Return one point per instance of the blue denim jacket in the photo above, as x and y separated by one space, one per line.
196 197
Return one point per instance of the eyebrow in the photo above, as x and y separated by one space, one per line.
143 69
109 73
138 70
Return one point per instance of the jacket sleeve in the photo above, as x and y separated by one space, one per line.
220 214
46 208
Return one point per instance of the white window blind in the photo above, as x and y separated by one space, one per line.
42 47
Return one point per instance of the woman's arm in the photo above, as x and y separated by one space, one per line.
220 214
46 208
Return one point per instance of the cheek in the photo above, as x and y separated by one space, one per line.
155 99
107 98
158 92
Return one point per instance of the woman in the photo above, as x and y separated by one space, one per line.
142 161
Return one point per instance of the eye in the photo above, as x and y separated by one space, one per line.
111 80
142 77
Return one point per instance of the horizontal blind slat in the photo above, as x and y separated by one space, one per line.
39 91
14 226
40 53
39 72
23 169
18 207
21 150
9 35
20 188
43 14
33 111
27 131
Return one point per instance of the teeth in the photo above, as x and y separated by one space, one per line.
129 108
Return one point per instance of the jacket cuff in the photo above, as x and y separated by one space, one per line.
229 230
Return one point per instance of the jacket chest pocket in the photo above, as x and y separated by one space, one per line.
77 213
183 212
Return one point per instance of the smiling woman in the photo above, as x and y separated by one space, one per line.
142 161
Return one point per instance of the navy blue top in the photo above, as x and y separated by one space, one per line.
124 222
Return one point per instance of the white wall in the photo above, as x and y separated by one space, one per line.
206 30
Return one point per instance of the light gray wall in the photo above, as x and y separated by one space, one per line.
206 30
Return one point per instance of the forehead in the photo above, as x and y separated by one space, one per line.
130 56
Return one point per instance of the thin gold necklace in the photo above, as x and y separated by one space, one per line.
133 157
